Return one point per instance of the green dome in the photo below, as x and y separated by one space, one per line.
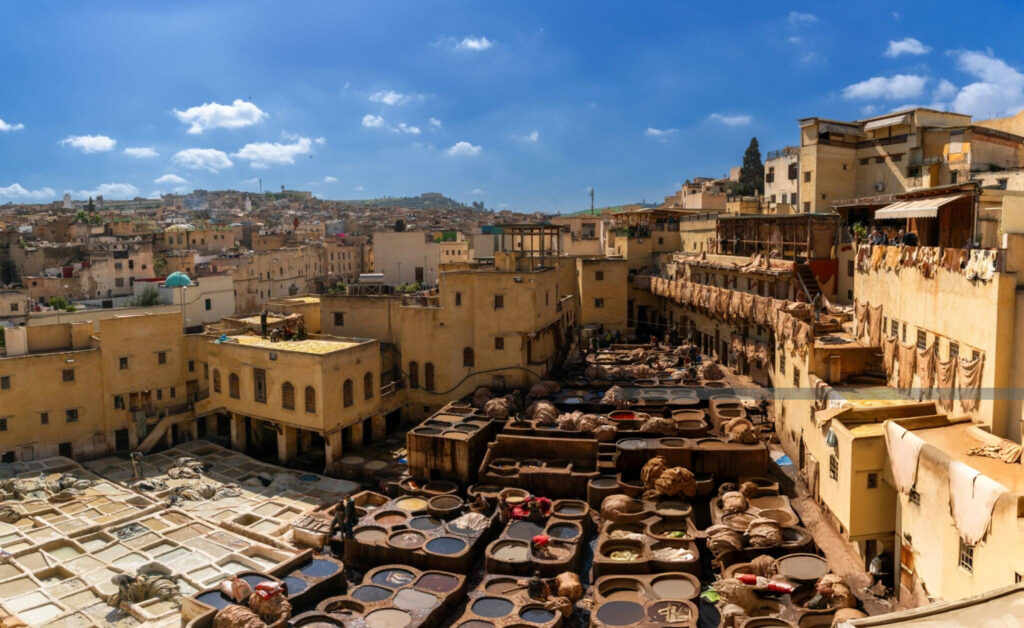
177 280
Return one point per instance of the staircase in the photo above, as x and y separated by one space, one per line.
874 374
808 280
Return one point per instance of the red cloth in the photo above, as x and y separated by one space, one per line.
522 510
268 589
541 540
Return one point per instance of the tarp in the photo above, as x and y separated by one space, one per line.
920 208
884 122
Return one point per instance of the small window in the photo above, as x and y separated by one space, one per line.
428 376
879 160
796 377
467 357
894 328
119 282
44 418
161 357
599 275
807 206
914 497
499 301
310 399
68 375
159 394
599 303
233 387
347 396
259 385
123 363
216 380
903 334
174 392
287 396
898 157
14 307
833 468
72 415
872 480
339 319
3 425
499 343
368 385
844 166
849 268
782 358
807 176
209 305
458 299
118 403
954 350
864 161
414 375
966 561
922 339
191 366
5 382
954 177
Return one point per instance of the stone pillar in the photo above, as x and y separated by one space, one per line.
356 435
133 434
287 443
305 440
193 428
238 440
379 428
332 445
168 437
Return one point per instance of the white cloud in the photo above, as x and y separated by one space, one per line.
374 122
797 17
202 159
5 127
661 134
155 194
895 87
738 120
405 128
266 154
794 39
16 191
378 122
999 90
330 179
109 190
476 191
90 143
141 152
213 115
358 188
320 140
475 44
868 110
944 90
252 181
170 178
464 149
389 97
434 122
532 137
906 46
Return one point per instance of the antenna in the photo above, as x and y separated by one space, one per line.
591 201
261 185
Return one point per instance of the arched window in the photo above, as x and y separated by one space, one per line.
346 394
467 357
216 380
368 385
233 386
428 376
414 375
310 399
287 396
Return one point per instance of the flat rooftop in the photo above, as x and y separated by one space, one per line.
956 440
311 346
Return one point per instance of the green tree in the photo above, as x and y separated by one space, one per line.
752 171
399 225
90 207
149 297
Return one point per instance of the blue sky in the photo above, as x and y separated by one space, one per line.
518 104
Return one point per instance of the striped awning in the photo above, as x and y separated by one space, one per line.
919 208
884 122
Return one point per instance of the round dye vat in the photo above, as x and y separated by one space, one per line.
388 618
672 442
467 427
413 600
604 482
295 585
492 607
622 415
370 535
674 588
445 502
424 523
621 592
318 568
353 460
392 577
524 530
511 552
427 431
411 503
446 545
406 540
370 593
438 582
440 486
563 531
537 615
390 518
631 443
803 567
669 612
216 599
375 465
501 586
476 623
571 509
621 613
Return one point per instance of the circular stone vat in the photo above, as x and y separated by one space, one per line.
675 587
511 552
604 482
392 577
803 567
295 585
571 508
536 614
671 612
437 582
502 586
444 505
715 384
316 619
503 463
353 460
390 517
620 590
370 534
424 523
672 442
784 517
620 613
492 607
673 529
445 545
341 606
631 443
407 539
622 415
415 600
370 593
441 487
513 496
388 618
411 504
674 508
563 531
426 431
476 623
524 530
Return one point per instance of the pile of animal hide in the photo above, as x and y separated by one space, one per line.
198 491
740 430
659 425
139 588
733 502
615 396
480 396
544 389
711 372
764 532
499 408
614 506
722 538
64 488
544 412
186 467
580 422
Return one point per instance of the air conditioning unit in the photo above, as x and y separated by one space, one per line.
879 187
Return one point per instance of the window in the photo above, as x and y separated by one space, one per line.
117 265
807 176
769 176
782 358
922 339
872 480
428 376
287 396
71 415
599 303
966 561
879 160
3 425
914 171
347 396
259 385
849 268
68 375
499 301
458 299
118 403
339 319
599 275
894 328
954 176
796 377
807 206
119 282
368 385
191 366
233 388
310 399
5 382
14 307
864 161
914 497
954 350
467 357
833 468
209 305
499 343
123 363
903 335
174 392
844 166
897 157
159 394
161 357
793 170
414 375
44 418
216 380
